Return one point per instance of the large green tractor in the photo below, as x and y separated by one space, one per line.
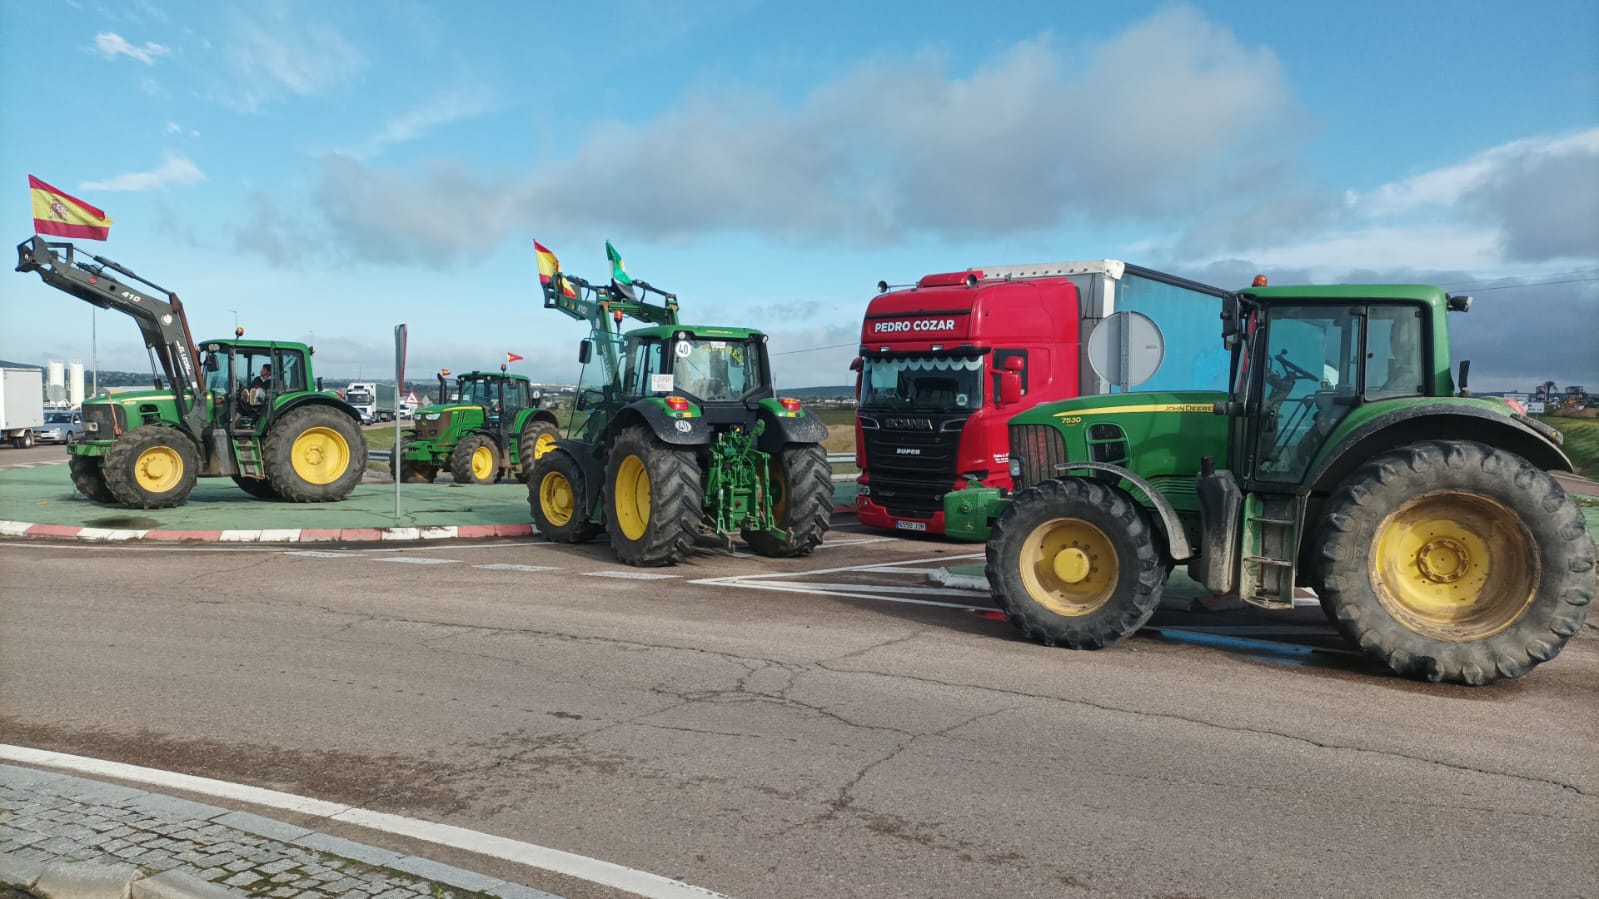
250 409
676 431
490 426
1341 460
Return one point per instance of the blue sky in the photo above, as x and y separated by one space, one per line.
327 170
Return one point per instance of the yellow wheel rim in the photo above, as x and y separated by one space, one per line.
320 455
1454 566
556 498
158 469
542 445
1069 566
483 463
779 483
632 492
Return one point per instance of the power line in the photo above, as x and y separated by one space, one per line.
815 349
1570 278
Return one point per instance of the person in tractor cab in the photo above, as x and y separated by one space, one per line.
263 381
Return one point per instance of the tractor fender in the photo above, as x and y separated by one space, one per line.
1436 422
782 429
666 427
311 399
528 415
1176 537
588 459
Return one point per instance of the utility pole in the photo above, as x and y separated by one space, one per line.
94 349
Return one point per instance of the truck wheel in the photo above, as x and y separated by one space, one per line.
475 460
654 502
555 492
314 454
26 440
1455 561
802 502
88 477
538 437
1075 563
152 467
260 488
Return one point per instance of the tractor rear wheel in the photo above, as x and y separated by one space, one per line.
555 491
260 488
654 501
1075 563
1455 561
802 502
538 437
314 454
89 478
475 460
152 467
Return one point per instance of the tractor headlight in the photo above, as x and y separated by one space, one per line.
1015 467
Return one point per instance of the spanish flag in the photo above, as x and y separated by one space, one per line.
63 215
512 357
549 269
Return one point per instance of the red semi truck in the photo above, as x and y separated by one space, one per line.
945 363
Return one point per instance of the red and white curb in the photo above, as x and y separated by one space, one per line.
264 535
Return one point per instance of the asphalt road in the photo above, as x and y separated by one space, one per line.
786 729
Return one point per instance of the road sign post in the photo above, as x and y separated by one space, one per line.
399 385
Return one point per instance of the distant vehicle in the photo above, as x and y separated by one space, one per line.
21 405
363 395
61 426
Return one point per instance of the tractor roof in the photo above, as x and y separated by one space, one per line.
1343 293
713 332
487 375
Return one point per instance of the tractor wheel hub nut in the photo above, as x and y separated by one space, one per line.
1443 560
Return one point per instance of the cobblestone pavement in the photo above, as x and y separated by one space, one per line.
47 819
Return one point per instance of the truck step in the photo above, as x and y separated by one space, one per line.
1262 560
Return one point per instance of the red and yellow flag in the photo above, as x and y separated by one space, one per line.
63 215
512 357
549 268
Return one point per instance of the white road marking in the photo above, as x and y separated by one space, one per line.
414 560
631 575
318 554
788 582
593 870
507 566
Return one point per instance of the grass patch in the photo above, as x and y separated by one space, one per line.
1582 441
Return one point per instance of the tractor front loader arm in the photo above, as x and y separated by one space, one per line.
158 311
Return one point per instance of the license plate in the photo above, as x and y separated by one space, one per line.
911 525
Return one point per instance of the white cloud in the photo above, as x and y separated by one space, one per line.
466 102
1449 185
274 49
173 170
112 45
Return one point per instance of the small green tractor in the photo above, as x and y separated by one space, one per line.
491 425
1341 459
676 432
282 437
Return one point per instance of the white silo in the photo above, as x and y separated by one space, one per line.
55 384
75 383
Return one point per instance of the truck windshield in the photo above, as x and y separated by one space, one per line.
357 397
923 383
715 371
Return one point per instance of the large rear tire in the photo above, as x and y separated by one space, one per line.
555 493
475 460
314 454
802 502
1075 563
260 488
1455 561
151 467
654 501
89 478
538 438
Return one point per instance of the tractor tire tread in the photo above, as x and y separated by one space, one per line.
808 478
677 500
277 451
461 459
118 471
89 477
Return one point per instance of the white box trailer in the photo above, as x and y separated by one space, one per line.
21 405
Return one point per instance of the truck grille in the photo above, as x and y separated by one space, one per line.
1038 449
103 418
910 469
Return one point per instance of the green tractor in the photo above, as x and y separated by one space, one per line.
676 431
1340 460
491 425
272 431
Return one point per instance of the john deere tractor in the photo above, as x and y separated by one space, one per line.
277 436
489 426
676 432
1342 460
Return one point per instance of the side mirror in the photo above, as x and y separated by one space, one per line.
1465 370
1010 383
585 351
319 384
1013 363
211 363
1230 320
858 364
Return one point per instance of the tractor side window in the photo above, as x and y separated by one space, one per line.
642 362
1309 378
1394 352
217 380
291 372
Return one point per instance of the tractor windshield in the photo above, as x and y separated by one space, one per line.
716 371
923 383
483 392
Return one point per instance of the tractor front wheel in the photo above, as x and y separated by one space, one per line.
151 467
475 460
802 502
1455 561
1074 563
654 501
89 478
408 471
537 438
555 491
314 454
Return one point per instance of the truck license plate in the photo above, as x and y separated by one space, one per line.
911 525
